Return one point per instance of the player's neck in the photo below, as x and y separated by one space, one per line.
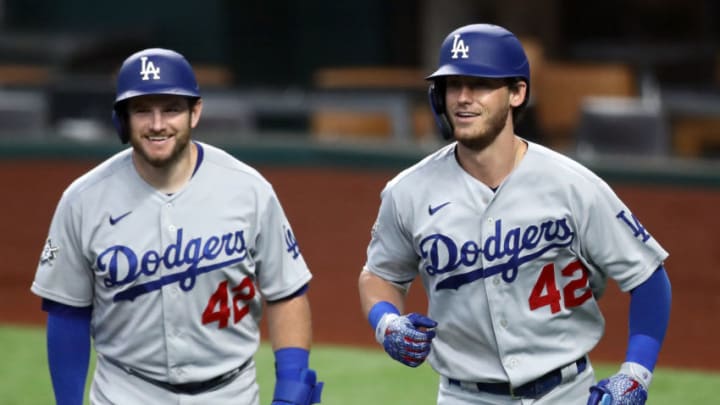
494 163
172 177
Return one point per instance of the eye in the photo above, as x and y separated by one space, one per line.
453 83
174 108
139 110
482 85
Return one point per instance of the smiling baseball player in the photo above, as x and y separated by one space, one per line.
164 254
514 244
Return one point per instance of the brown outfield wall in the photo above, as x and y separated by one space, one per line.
332 211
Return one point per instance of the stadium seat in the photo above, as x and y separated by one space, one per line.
621 126
561 87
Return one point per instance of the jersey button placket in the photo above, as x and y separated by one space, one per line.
170 294
168 230
168 208
495 290
512 363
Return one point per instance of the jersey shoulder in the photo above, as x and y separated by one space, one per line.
431 167
99 175
225 164
550 164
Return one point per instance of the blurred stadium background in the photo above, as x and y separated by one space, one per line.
328 99
636 77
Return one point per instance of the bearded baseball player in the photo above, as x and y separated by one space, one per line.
163 256
514 244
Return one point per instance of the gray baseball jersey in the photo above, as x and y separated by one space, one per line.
175 281
511 276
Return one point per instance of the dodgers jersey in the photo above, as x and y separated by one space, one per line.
511 276
175 281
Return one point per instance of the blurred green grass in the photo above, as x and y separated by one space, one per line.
352 376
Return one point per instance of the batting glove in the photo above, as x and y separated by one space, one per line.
406 338
628 387
304 391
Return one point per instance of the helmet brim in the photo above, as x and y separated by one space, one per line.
470 70
171 91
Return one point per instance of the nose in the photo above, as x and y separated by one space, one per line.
157 122
465 94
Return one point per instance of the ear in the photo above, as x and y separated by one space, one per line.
195 113
518 92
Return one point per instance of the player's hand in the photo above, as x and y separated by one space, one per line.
305 390
406 338
620 389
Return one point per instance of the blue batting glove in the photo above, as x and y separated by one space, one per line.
628 387
406 338
305 390
620 389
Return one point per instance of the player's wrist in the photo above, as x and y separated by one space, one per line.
379 316
289 361
638 372
382 326
378 310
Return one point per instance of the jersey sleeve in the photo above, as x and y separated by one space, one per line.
390 254
281 268
615 242
64 273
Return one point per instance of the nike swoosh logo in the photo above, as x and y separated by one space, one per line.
633 386
432 210
115 220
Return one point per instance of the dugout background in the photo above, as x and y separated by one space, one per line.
282 43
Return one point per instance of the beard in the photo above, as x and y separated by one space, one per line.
481 138
182 140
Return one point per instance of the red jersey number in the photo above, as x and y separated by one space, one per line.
219 309
547 292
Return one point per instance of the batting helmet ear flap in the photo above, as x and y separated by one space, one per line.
436 94
120 123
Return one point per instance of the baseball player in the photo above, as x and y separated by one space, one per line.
514 244
164 255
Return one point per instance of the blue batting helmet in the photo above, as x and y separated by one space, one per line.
152 71
479 50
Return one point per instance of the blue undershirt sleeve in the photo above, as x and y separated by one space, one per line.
68 350
649 317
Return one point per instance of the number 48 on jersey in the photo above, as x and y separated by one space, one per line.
222 304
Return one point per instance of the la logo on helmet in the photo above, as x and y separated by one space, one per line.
459 47
148 68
